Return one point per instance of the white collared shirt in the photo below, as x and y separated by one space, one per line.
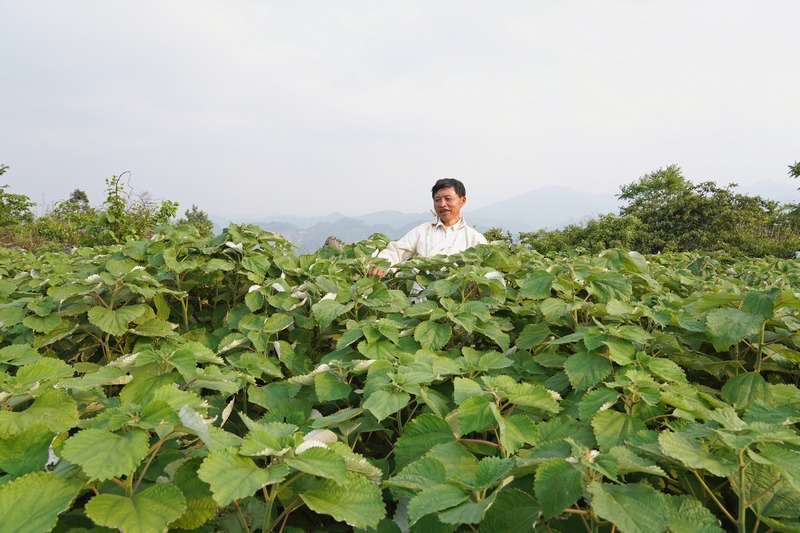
433 238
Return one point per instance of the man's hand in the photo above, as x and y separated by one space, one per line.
375 271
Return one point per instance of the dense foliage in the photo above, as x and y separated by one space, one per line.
665 212
225 384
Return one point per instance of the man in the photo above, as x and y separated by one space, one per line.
448 235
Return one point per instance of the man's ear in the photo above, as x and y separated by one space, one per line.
463 200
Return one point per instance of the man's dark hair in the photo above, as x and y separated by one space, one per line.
449 182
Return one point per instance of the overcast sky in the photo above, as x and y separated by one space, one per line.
255 108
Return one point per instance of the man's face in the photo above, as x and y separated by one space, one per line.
447 204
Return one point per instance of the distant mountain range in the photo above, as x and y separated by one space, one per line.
544 208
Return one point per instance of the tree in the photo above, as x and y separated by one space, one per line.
15 209
199 219
606 231
496 233
794 170
69 221
677 215
125 216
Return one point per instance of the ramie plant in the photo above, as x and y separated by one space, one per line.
180 382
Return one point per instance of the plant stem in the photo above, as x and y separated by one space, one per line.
742 502
713 497
241 516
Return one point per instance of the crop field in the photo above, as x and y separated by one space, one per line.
227 384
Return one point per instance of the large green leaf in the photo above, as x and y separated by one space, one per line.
694 453
115 321
475 414
585 369
513 511
633 508
728 326
358 502
432 335
200 505
27 451
104 455
54 408
326 311
149 510
232 476
320 462
383 403
434 499
42 324
687 515
746 389
610 286
612 428
419 436
536 285
557 485
33 502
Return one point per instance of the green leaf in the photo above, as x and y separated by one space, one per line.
746 389
19 354
687 515
513 511
584 369
155 328
11 316
432 335
33 502
115 322
149 510
358 502
421 474
326 311
330 388
233 477
104 455
695 454
728 326
612 428
26 451
536 285
419 436
200 506
434 499
277 322
492 330
491 471
610 286
595 401
634 508
42 324
383 403
532 335
475 414
54 408
557 486
785 459
320 462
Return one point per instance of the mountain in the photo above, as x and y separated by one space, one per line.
545 208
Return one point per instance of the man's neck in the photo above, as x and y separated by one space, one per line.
450 223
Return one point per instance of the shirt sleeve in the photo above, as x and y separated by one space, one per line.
402 249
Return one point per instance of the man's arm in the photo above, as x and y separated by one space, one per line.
398 251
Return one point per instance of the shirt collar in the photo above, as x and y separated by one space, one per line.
458 225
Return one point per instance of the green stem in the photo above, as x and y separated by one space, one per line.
760 348
742 502
270 500
241 516
713 497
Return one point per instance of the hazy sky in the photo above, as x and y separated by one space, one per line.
253 108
